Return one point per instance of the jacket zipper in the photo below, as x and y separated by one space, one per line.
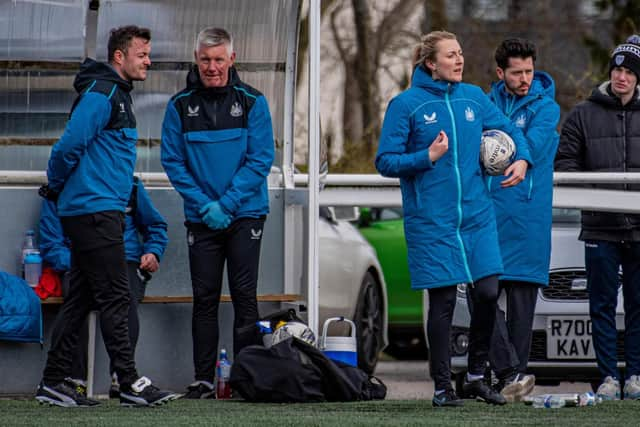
624 159
459 184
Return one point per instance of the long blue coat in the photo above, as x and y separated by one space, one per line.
448 216
523 212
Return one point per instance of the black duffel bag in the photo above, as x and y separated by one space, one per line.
294 371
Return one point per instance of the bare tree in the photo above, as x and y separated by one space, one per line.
625 20
435 16
303 39
378 29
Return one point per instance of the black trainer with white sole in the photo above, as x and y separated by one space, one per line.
200 390
63 394
143 393
483 392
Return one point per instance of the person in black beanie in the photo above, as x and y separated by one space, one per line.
603 134
627 55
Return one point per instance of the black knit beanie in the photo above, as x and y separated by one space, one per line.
626 55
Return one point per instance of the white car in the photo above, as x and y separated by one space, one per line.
352 284
561 347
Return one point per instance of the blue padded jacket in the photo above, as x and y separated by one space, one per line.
20 314
448 217
523 212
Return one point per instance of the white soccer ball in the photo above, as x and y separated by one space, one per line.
293 329
497 151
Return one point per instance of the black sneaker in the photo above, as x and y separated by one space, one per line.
446 398
114 391
200 390
143 393
78 385
62 394
483 392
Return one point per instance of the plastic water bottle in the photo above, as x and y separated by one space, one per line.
223 374
264 326
548 401
28 246
32 268
589 399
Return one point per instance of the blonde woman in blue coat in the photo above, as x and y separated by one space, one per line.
431 140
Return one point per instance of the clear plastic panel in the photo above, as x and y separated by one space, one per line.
35 106
42 30
259 27
35 101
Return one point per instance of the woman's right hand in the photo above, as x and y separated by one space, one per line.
438 147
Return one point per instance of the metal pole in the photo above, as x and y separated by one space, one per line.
314 167
91 352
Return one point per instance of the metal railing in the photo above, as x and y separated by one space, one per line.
375 190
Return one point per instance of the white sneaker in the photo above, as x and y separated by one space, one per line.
632 388
518 387
609 389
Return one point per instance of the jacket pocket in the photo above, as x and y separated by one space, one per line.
130 133
214 136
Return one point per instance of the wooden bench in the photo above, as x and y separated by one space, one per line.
169 299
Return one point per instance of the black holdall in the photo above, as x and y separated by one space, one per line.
294 371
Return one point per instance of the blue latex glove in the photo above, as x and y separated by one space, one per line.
214 216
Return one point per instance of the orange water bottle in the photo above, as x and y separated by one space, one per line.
223 375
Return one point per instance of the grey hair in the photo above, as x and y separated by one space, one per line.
214 37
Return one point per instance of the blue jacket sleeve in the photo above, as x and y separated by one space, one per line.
54 247
392 158
89 117
150 224
541 130
173 158
258 159
493 118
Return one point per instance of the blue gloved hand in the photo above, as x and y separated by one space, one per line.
214 216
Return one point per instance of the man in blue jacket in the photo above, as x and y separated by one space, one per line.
89 175
523 212
142 220
217 149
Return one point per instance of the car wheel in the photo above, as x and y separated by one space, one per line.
407 347
369 323
459 379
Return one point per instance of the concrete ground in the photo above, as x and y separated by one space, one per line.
410 380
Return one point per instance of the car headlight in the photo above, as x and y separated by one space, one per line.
460 344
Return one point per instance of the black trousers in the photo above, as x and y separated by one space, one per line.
442 302
511 339
80 355
239 247
98 275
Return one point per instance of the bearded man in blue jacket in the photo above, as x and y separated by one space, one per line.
89 175
523 212
217 149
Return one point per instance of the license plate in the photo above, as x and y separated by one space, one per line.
569 337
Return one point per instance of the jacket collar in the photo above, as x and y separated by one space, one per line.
422 79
